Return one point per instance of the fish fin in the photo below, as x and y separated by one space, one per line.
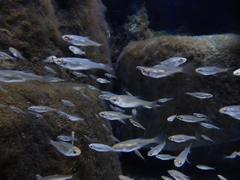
108 68
188 161
148 107
38 177
138 153
134 113
128 93
122 121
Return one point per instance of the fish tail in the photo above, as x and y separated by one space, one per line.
108 68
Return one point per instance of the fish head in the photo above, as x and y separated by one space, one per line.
91 146
102 114
58 61
115 100
66 38
236 72
224 110
75 151
178 162
180 118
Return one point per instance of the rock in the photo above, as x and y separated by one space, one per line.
24 138
35 27
222 50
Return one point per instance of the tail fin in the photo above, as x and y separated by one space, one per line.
108 68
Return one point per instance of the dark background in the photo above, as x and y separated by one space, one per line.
180 16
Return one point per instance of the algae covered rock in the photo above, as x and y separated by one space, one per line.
24 137
217 50
35 27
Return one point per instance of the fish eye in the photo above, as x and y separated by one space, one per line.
114 99
66 38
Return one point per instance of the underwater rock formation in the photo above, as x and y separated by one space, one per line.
24 138
35 27
220 50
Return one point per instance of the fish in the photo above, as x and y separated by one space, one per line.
50 59
76 64
76 50
111 76
41 109
233 155
207 138
37 115
180 160
136 124
190 118
50 70
16 109
114 116
15 76
236 72
165 157
54 177
204 167
209 126
66 138
160 71
103 81
171 118
210 70
133 144
122 177
173 61
66 149
16 53
178 175
166 178
72 118
157 149
4 56
67 103
221 177
100 147
181 138
232 111
80 40
200 95
128 101
79 74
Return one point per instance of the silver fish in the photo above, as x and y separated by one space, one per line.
233 155
79 74
54 177
79 40
200 95
122 177
171 118
206 138
76 64
178 175
210 70
173 61
133 144
209 126
204 167
16 53
67 103
5 56
72 118
190 118
66 149
182 157
111 76
236 72
181 138
221 177
128 101
103 81
166 178
50 70
12 76
100 147
114 116
233 111
136 124
66 138
76 50
165 157
41 109
157 149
